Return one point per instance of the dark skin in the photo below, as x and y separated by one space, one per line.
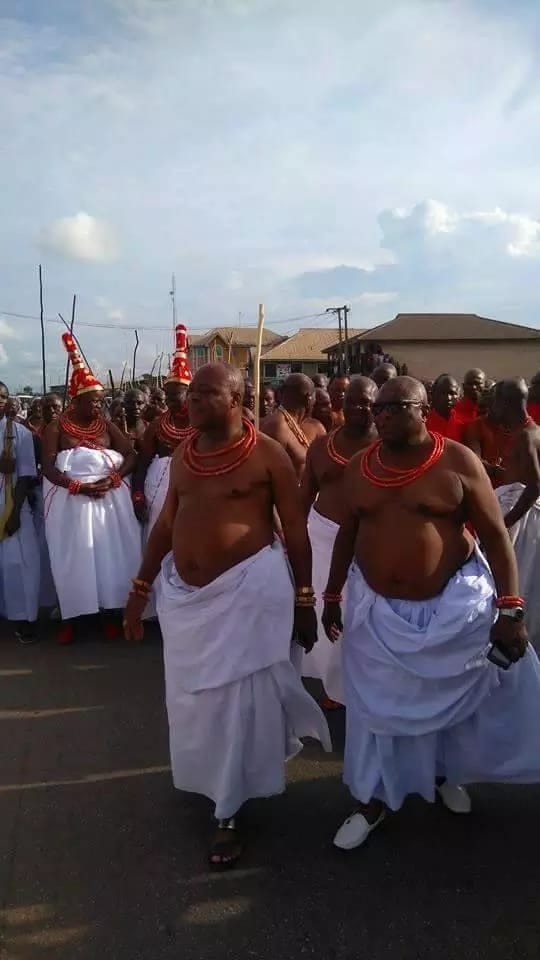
474 384
534 389
337 388
323 478
52 408
322 408
83 411
383 373
151 444
430 514
268 402
509 409
134 405
23 485
320 381
157 405
35 414
213 523
444 395
297 397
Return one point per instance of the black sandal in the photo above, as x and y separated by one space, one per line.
228 850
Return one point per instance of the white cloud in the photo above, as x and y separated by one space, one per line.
116 314
4 359
80 237
7 331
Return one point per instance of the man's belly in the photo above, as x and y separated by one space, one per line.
329 503
206 543
414 562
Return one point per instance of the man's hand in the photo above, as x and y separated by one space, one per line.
510 636
132 623
7 465
96 490
332 621
305 627
141 510
13 523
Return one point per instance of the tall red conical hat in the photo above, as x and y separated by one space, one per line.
82 379
180 371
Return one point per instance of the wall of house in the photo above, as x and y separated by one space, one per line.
508 358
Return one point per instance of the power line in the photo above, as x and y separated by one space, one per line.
124 326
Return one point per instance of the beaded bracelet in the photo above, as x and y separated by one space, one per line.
332 597
305 592
508 602
74 487
305 602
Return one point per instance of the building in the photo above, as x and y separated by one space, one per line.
431 343
234 345
301 353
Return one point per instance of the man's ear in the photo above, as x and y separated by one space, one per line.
237 400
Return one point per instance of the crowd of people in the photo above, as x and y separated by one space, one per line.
390 527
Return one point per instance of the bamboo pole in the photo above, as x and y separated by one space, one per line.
258 351
133 377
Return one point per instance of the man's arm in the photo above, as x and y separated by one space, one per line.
26 475
50 445
122 445
147 452
483 510
471 439
529 472
158 546
309 486
288 503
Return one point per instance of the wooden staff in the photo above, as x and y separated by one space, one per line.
258 350
135 356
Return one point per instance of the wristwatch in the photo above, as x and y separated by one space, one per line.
516 614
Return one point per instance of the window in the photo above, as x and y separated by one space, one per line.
219 352
270 370
322 367
296 367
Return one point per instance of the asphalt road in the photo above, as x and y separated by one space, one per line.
101 858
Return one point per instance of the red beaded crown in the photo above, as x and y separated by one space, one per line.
180 371
82 379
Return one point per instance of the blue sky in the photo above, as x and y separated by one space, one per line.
301 153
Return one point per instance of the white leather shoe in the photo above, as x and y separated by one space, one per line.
454 797
355 831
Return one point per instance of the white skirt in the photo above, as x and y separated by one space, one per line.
324 662
236 704
525 536
94 545
19 571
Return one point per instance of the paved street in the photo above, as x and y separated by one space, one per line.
101 858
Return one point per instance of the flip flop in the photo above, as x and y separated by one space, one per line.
228 850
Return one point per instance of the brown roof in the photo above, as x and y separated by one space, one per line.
446 326
240 336
195 338
308 344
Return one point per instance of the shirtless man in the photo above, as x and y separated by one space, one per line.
249 400
519 495
234 699
93 538
322 492
533 400
423 703
322 408
291 424
337 388
156 406
161 438
135 403
474 384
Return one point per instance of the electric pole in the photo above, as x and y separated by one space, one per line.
343 356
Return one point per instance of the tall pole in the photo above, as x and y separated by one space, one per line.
42 321
173 299
71 326
258 350
346 331
340 364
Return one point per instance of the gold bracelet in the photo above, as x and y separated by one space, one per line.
304 591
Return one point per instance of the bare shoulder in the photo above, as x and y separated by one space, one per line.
270 448
313 428
460 459
318 445
272 425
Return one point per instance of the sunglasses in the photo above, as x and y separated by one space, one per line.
395 406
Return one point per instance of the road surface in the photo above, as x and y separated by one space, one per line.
100 857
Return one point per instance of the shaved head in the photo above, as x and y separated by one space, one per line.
298 393
357 408
474 382
215 398
383 373
222 373
509 402
361 386
402 388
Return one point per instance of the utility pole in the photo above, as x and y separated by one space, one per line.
346 331
172 294
341 364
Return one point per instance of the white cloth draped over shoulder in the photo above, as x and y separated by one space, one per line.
94 545
324 662
525 537
19 554
236 704
155 489
422 699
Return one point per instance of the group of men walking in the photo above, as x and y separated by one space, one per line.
359 540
